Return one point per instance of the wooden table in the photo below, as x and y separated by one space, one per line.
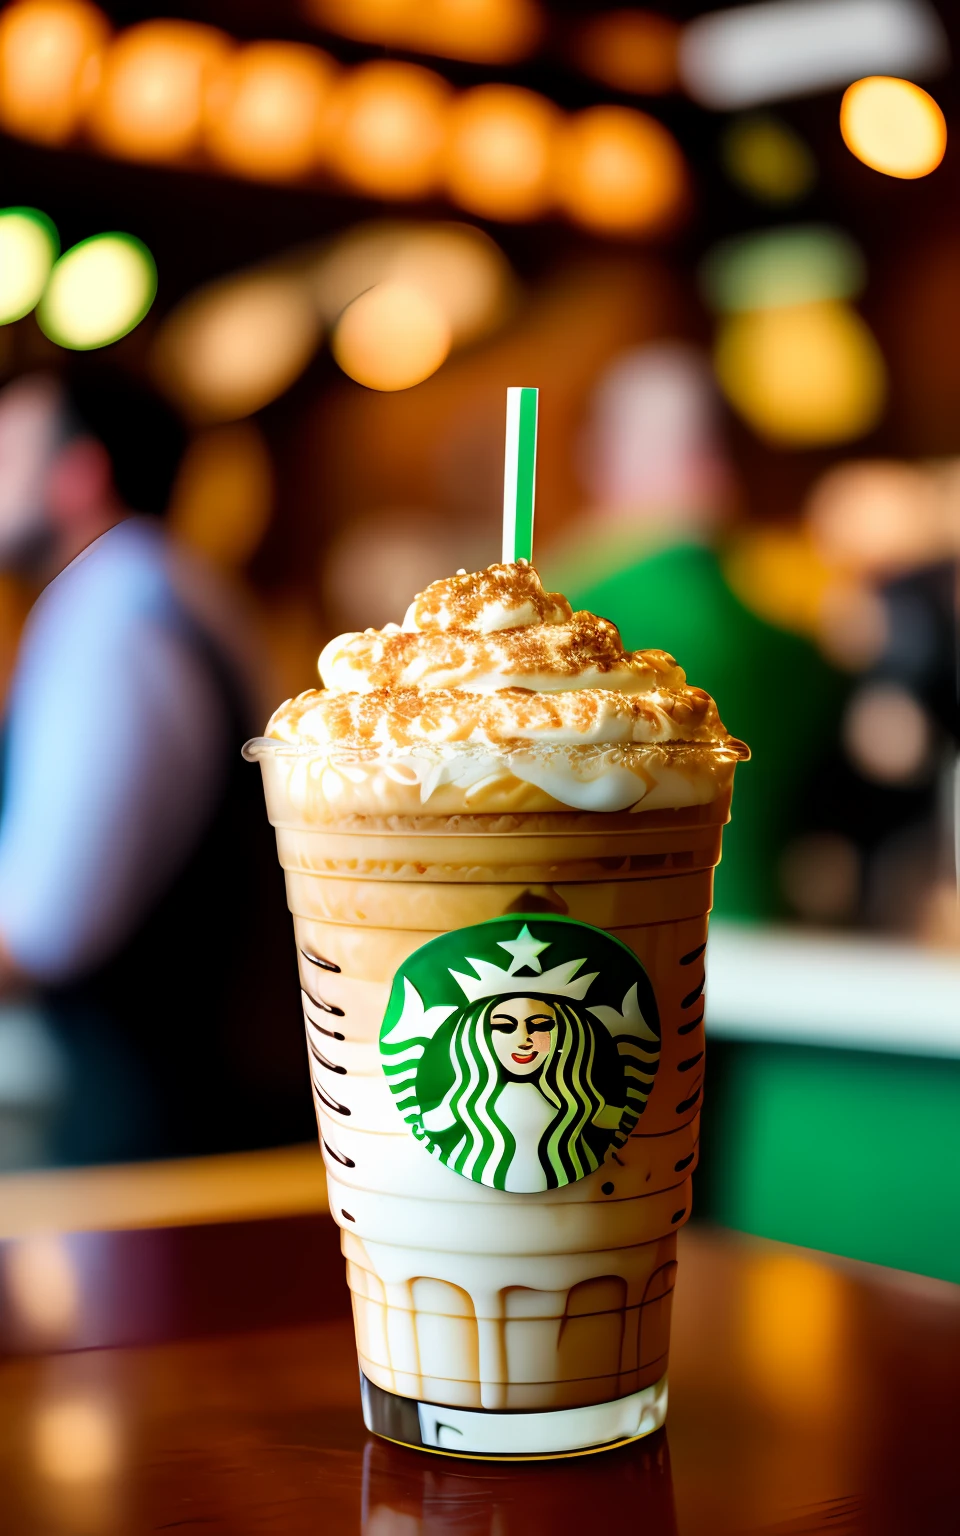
203 1379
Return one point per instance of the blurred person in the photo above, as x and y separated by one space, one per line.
648 553
891 529
137 897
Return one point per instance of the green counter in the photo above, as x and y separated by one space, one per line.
852 1152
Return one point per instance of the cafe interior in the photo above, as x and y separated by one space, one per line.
320 240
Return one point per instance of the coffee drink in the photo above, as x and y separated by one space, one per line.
499 832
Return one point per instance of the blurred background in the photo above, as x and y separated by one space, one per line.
323 236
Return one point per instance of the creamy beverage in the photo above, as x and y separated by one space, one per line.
499 831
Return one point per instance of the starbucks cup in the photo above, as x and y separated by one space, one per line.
504 1019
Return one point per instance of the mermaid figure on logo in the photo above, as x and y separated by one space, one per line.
527 1084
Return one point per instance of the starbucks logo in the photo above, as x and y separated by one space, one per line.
521 1051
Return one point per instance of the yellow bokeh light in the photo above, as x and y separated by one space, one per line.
236 345
768 159
391 337
388 124
779 573
264 109
893 126
149 104
98 291
49 65
630 50
28 249
500 148
485 31
802 376
619 171
223 496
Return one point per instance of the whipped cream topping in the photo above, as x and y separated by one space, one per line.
584 652
501 597
491 670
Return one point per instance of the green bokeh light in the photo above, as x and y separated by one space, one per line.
29 246
98 291
802 264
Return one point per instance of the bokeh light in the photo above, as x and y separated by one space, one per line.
802 376
149 104
876 517
852 627
76 1440
391 337
779 573
630 51
29 246
893 126
49 65
619 171
820 877
42 1285
500 148
264 108
743 55
793 1315
457 266
98 291
224 493
652 444
237 344
887 733
388 124
484 31
766 158
779 267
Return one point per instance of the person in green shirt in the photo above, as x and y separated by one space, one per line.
647 560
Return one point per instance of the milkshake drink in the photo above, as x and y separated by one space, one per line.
499 832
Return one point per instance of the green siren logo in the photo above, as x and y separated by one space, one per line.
521 1051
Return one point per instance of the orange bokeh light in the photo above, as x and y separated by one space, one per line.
264 109
893 126
619 172
630 50
486 31
387 128
149 105
49 65
500 148
392 337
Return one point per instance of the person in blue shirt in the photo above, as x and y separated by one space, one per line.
138 901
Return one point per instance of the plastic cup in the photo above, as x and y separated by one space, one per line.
492 1322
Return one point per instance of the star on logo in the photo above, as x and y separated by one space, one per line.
524 949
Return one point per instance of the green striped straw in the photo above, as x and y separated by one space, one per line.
520 474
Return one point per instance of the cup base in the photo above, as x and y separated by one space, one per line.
513 1436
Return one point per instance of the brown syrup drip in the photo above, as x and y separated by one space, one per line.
338 1157
326 965
330 1103
321 1003
331 1066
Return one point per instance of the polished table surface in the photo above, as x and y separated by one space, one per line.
202 1378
